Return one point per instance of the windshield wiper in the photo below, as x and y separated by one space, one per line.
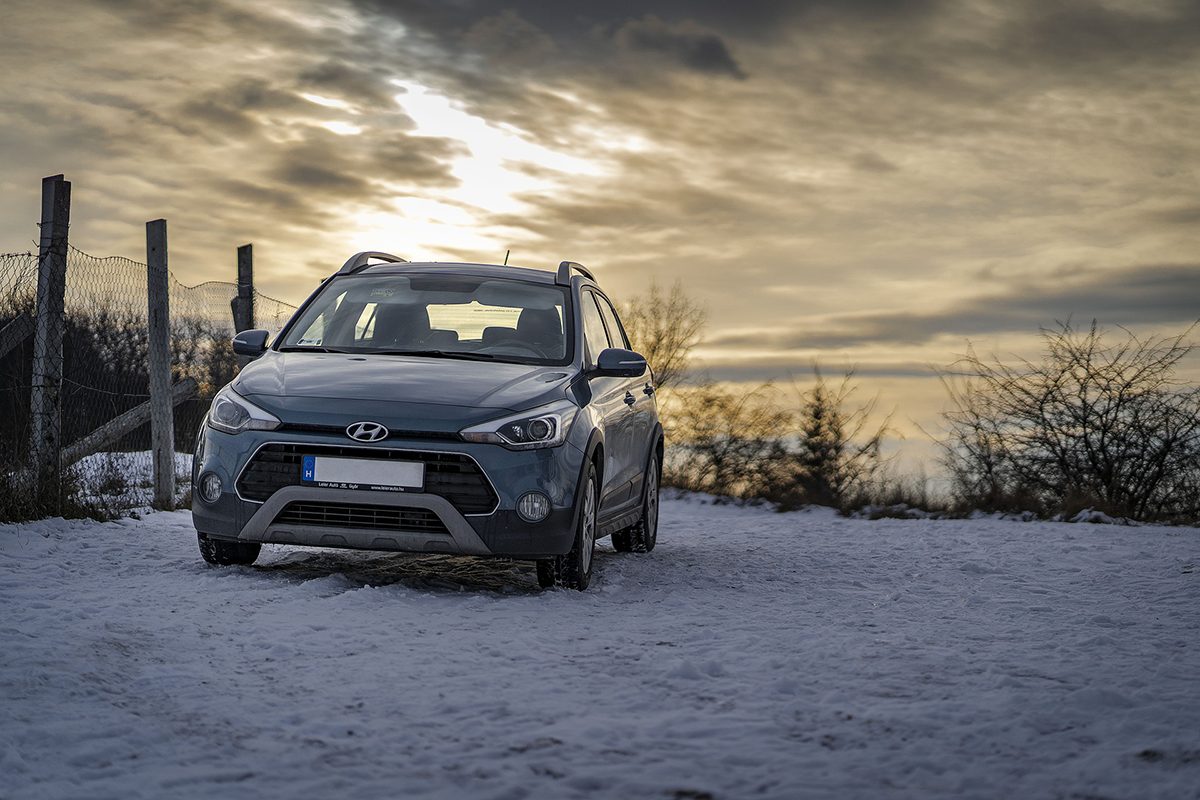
308 349
463 354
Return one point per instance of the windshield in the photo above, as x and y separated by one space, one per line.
483 319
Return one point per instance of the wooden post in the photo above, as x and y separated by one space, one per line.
46 395
123 424
243 304
15 332
162 421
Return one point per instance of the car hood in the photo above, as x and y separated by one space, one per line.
339 379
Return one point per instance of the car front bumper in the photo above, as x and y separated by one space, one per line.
501 532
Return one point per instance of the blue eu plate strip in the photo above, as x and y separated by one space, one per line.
309 467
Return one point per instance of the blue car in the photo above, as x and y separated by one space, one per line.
437 408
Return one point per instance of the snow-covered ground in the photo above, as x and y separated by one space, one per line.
115 481
753 654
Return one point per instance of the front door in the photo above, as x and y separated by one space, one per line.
609 398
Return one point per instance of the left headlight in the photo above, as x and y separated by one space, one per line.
232 413
539 427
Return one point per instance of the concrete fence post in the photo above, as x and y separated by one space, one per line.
243 304
162 419
46 393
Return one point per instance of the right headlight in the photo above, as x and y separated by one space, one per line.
539 427
232 413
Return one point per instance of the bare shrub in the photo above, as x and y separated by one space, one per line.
1092 424
724 441
665 328
744 444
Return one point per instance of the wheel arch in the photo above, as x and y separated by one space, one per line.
594 456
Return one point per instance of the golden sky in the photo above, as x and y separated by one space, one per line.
869 183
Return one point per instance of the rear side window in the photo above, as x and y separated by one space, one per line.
593 327
616 332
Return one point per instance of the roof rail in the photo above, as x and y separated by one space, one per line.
359 261
564 272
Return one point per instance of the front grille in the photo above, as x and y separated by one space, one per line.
340 430
350 515
453 476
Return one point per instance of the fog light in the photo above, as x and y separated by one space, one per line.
210 487
533 507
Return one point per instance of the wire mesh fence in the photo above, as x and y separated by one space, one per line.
105 375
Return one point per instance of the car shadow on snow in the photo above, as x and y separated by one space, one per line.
423 571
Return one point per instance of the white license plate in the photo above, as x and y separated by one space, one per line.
362 473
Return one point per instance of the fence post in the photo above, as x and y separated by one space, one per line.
162 420
243 304
46 395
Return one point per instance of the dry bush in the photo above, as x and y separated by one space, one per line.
724 441
1092 424
744 444
665 328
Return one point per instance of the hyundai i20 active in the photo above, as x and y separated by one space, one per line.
437 408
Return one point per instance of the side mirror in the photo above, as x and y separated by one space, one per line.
619 363
250 343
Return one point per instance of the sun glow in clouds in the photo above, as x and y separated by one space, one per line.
329 102
490 176
502 166
341 128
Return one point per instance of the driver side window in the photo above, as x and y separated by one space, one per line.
595 337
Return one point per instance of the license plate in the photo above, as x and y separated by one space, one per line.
362 473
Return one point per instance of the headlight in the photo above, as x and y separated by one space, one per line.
233 413
542 427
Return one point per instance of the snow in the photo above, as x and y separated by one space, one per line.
751 654
125 480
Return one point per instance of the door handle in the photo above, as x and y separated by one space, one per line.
630 399
649 389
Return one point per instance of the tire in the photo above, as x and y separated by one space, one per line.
574 570
224 554
643 534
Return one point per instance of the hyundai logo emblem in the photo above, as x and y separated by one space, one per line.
366 431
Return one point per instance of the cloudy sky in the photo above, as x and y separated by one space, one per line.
869 183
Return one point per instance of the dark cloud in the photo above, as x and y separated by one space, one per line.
872 162
761 18
264 195
1180 215
237 108
304 175
326 162
353 83
1079 33
699 51
1136 296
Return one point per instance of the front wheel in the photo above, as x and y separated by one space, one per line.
574 570
224 554
643 534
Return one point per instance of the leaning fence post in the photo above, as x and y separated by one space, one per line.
46 395
243 304
162 421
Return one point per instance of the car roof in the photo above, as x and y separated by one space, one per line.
462 268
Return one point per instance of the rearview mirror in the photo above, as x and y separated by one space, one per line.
619 363
250 343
